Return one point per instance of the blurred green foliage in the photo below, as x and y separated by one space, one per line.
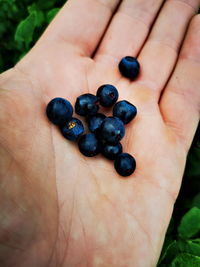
21 24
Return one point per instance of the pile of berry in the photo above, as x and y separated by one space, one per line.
105 132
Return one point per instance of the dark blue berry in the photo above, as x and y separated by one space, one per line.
86 104
125 164
125 111
129 67
95 121
112 130
89 145
111 151
73 129
59 111
107 95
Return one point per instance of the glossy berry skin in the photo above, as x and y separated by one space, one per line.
125 164
111 151
59 111
95 121
125 111
89 145
112 130
86 104
107 95
73 129
129 67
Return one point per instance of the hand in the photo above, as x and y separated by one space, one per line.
59 208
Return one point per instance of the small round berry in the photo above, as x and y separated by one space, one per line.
112 130
59 111
125 164
129 67
86 104
95 121
107 95
89 145
111 151
73 129
125 111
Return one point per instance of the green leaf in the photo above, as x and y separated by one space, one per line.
190 224
189 247
169 252
170 227
51 14
39 15
196 201
25 30
45 5
193 166
197 240
1 63
22 55
181 246
185 260
3 29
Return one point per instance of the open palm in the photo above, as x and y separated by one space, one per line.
59 208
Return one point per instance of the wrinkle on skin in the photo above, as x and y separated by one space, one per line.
137 19
13 163
86 257
108 4
108 200
12 247
143 230
67 235
56 260
174 128
102 203
160 188
187 3
94 178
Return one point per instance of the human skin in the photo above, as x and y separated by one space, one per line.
59 208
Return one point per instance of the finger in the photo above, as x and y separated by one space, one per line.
81 23
128 29
180 103
160 51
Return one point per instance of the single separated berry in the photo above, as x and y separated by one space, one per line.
59 111
112 130
129 67
125 164
86 104
95 121
89 145
73 129
107 95
111 151
125 111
